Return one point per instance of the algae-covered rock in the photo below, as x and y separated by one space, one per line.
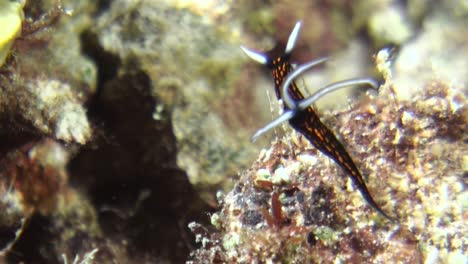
194 68
109 108
47 81
317 215
435 51
14 215
51 107
34 189
390 25
294 205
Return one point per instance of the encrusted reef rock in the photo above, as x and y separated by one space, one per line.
86 169
116 116
38 203
294 205
193 66
45 82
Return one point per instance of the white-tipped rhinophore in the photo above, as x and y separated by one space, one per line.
256 56
293 38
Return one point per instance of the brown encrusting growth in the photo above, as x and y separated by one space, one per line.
38 179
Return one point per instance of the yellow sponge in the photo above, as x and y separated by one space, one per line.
11 16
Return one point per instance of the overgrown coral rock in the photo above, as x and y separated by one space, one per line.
47 80
405 147
61 112
194 70
13 217
51 107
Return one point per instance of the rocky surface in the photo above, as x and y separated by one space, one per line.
120 120
294 205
